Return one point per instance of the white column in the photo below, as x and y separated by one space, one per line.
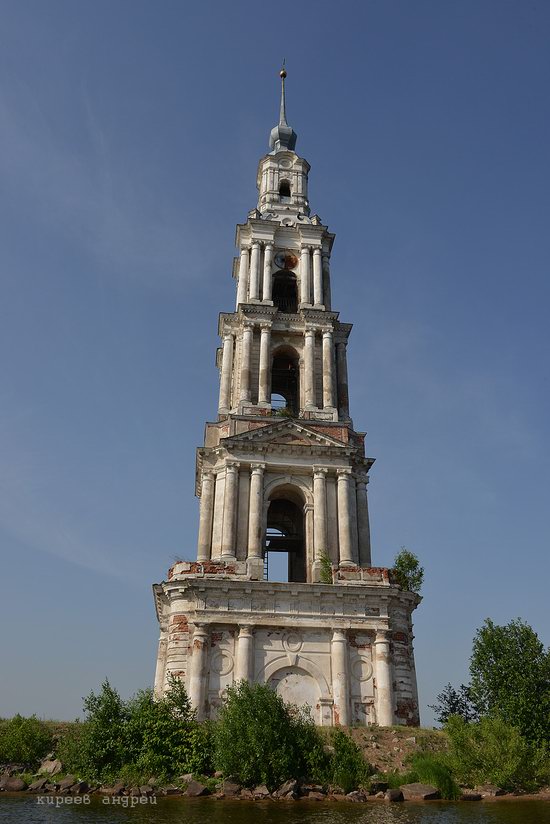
230 511
309 369
160 669
384 679
264 395
328 370
197 674
268 258
363 521
246 355
326 283
244 670
344 518
319 512
342 378
340 677
242 286
255 272
304 275
317 277
205 519
353 519
227 369
255 510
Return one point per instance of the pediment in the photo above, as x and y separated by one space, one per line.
284 433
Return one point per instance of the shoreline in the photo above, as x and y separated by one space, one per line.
172 794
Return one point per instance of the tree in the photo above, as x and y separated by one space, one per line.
259 739
494 751
510 677
137 738
407 571
24 740
454 702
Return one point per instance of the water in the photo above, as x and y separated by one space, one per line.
26 810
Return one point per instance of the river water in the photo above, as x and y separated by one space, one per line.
27 810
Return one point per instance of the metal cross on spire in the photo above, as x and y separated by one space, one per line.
283 136
282 114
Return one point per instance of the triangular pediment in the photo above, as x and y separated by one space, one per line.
284 433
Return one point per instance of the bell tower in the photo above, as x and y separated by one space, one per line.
282 590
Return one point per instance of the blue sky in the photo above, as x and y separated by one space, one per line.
129 138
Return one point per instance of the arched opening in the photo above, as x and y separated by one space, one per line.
285 556
284 189
297 686
285 291
285 381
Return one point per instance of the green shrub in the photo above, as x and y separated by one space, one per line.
314 762
395 779
407 571
494 751
348 768
72 750
428 769
24 740
98 749
325 573
433 769
169 740
132 740
260 739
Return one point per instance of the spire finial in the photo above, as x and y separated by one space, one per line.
283 137
282 115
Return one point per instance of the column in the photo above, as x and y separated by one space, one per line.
246 355
304 275
255 272
342 378
317 277
353 519
205 519
344 518
384 678
363 521
244 666
319 512
340 678
268 258
227 369
255 510
264 395
309 369
197 669
242 286
230 511
328 370
160 669
326 283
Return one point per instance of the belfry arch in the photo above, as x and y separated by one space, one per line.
285 529
285 378
285 291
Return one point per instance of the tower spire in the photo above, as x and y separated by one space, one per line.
282 113
283 136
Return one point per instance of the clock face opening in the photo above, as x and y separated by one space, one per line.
286 260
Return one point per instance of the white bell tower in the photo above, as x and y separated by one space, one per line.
283 474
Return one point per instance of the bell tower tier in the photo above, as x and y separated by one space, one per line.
282 477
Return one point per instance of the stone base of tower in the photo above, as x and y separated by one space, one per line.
345 649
